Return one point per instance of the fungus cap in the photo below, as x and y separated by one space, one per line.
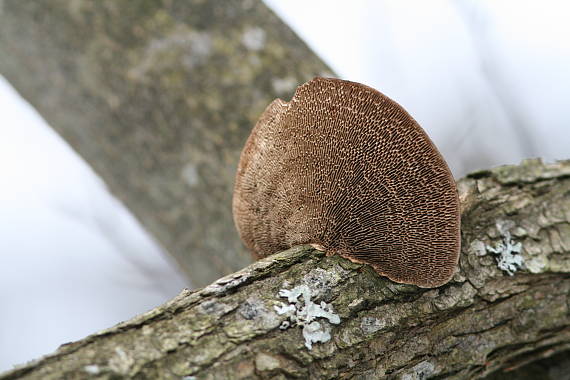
346 169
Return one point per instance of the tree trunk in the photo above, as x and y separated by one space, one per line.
253 324
158 96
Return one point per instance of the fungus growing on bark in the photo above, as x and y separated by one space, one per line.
346 169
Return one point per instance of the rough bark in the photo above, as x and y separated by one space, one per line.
158 96
483 321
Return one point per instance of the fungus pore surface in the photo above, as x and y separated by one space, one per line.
345 168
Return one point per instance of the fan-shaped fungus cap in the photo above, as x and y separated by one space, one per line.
346 169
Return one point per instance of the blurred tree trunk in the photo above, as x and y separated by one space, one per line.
158 96
484 321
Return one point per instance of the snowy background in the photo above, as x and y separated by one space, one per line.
488 80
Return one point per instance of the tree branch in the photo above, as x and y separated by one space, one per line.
159 98
483 321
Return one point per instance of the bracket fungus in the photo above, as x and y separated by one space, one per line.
346 169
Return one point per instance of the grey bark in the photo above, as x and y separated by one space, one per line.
483 321
158 96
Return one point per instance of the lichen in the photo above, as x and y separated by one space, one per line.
266 362
226 283
477 247
509 257
304 314
370 325
422 370
254 38
190 174
537 264
92 369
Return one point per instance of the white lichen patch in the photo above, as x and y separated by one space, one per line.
266 362
422 370
509 257
92 369
196 47
537 264
224 284
304 313
369 325
477 247
253 38
284 86
190 174
121 362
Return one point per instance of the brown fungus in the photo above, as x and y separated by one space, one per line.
346 169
